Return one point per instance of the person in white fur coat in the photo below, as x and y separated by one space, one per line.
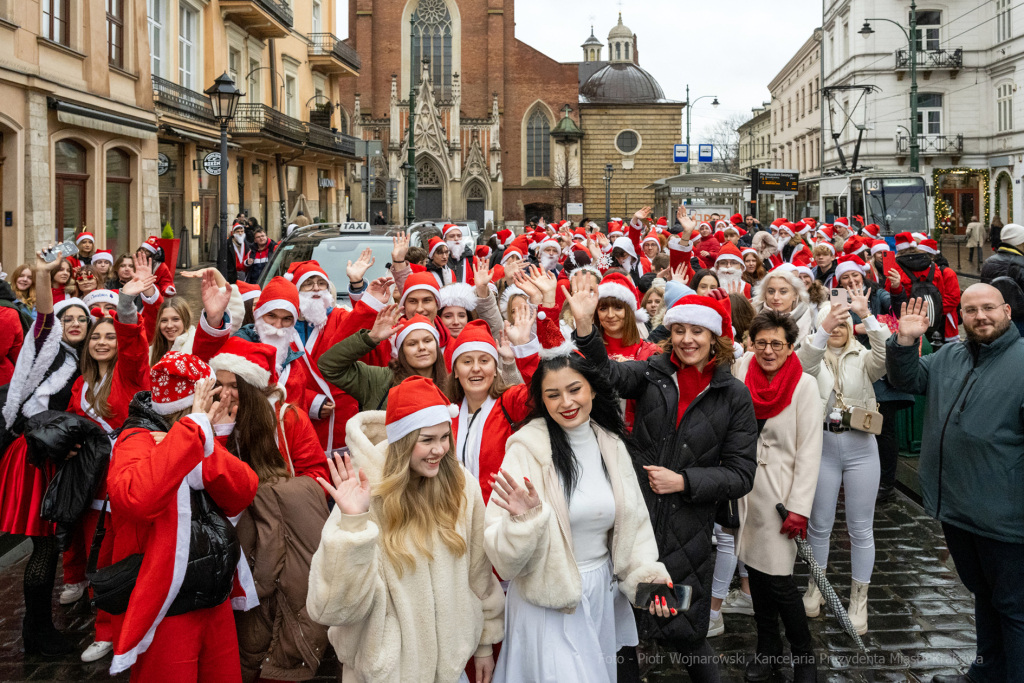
400 575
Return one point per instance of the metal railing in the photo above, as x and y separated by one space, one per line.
932 59
329 45
280 9
259 119
932 144
187 103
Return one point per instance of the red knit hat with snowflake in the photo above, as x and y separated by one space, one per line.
414 404
702 311
618 286
174 379
255 363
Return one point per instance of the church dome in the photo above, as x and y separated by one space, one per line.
620 31
621 82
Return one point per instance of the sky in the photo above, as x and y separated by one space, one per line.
728 48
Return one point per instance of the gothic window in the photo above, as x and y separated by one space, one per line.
426 174
432 39
476 191
538 145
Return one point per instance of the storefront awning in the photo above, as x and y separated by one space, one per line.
86 117
196 137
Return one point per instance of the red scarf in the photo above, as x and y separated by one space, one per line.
771 398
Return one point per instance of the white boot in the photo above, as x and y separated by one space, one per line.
858 609
813 599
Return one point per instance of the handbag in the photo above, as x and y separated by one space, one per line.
860 419
112 586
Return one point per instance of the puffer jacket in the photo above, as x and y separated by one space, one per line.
714 448
858 367
279 532
1008 261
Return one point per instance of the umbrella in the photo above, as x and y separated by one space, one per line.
804 550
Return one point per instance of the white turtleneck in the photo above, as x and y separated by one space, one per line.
592 506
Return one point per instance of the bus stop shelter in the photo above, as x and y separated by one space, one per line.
702 193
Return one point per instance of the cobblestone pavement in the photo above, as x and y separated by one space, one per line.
920 617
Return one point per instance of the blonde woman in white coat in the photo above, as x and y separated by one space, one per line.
782 290
401 576
789 415
849 458
567 525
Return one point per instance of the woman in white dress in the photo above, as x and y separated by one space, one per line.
567 525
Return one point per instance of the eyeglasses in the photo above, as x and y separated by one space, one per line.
81 320
776 345
85 277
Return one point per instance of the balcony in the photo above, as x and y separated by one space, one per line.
932 145
261 18
329 55
929 60
267 126
188 104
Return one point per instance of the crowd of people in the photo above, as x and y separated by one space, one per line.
510 461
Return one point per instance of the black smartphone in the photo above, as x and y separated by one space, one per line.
677 598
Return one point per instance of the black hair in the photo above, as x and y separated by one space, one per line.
700 275
605 412
770 319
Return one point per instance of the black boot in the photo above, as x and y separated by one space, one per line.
952 678
805 672
761 668
39 634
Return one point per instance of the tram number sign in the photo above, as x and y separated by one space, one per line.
777 181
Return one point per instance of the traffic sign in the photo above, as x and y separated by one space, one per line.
705 153
680 154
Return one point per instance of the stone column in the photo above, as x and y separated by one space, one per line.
39 224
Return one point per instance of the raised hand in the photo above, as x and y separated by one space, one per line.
505 348
351 490
688 224
913 322
837 315
138 284
400 248
481 277
380 289
602 240
215 299
546 283
679 273
735 287
894 278
357 270
860 302
143 264
521 332
595 250
523 282
582 303
508 495
42 265
386 323
643 214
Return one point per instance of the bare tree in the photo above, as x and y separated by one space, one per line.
726 139
565 177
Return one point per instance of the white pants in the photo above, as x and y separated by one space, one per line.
850 460
725 564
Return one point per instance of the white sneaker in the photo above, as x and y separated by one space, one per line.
738 602
73 592
98 650
717 627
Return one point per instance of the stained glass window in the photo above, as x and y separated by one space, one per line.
432 39
538 145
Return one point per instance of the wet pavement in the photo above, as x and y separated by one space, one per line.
920 617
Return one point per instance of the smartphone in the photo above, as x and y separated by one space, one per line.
65 249
677 598
839 296
888 263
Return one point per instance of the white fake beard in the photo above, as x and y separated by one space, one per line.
455 247
313 306
279 338
239 238
726 276
548 261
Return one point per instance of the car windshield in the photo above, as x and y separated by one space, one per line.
333 253
897 204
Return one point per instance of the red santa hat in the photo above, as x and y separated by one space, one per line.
433 244
879 246
826 243
810 221
749 250
804 270
414 404
702 311
827 232
505 237
614 228
103 255
919 236
475 336
173 381
248 291
255 363
458 294
870 229
651 237
803 227
852 245
278 294
663 221
850 263
152 245
549 241
420 282
736 219
618 286
904 240
512 251
719 234
85 236
449 227
843 221
787 228
408 326
59 307
778 221
729 252
929 246
579 234
483 252
300 271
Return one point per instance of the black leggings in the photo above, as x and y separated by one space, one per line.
774 597
41 569
701 663
888 443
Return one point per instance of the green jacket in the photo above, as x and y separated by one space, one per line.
368 384
972 449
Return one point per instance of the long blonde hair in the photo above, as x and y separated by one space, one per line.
28 297
97 396
414 509
160 343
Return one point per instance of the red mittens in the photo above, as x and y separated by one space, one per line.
794 525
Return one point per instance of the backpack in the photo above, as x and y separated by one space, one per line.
926 289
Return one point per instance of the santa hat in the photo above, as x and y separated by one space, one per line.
475 336
618 286
505 237
278 294
414 404
425 282
736 219
538 237
843 221
826 243
100 296
703 224
248 291
580 234
802 228
458 294
85 236
749 250
433 244
663 221
615 229
810 221
448 228
729 252
929 246
721 225
827 232
778 221
870 229
850 263
417 322
512 251
59 307
702 311
651 237
626 245
719 234
483 252
549 241
173 380
919 236
152 245
879 246
255 363
804 270
103 255
300 271
852 245
904 240
787 228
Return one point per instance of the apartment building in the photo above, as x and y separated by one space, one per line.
756 140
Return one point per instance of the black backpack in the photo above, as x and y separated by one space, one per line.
925 289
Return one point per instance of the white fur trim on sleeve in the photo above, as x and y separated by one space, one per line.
371 301
205 325
694 314
203 422
314 407
151 300
528 349
871 324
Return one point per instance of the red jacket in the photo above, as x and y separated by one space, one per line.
711 246
299 445
165 281
11 340
948 284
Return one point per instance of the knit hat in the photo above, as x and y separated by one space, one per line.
100 296
174 379
425 282
904 240
929 246
449 227
618 286
729 252
458 294
417 322
300 271
85 236
879 245
433 244
152 245
674 291
255 363
850 263
103 255
414 404
248 291
278 294
703 311
1012 234
475 336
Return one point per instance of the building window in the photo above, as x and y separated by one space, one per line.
70 176
1004 31
119 183
831 52
290 98
1004 107
55 21
115 33
234 63
846 42
627 51
817 93
538 145
317 17
928 23
432 39
627 142
293 183
789 115
187 48
255 81
155 14
929 114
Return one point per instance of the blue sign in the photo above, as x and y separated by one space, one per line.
680 154
705 152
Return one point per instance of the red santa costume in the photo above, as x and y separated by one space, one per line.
11 340
164 277
150 489
730 252
877 247
241 254
950 291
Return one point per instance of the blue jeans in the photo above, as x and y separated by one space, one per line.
992 570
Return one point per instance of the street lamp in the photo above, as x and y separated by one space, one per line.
689 104
866 31
608 169
224 97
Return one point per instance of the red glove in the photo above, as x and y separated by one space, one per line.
718 294
794 525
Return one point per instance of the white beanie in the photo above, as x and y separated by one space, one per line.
1012 234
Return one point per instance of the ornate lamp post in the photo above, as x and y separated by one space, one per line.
224 97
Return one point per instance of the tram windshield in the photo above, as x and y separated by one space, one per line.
897 204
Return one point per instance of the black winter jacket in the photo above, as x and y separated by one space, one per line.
1007 261
714 448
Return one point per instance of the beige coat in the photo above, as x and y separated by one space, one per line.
421 628
788 456
858 367
534 550
975 233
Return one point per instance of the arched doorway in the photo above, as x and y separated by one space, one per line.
71 174
537 211
476 201
430 190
